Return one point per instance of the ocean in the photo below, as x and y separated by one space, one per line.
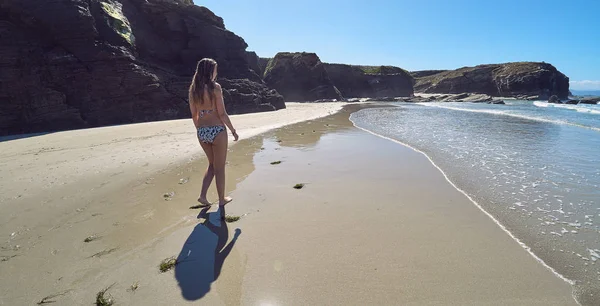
592 93
533 167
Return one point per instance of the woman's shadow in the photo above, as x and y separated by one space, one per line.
203 254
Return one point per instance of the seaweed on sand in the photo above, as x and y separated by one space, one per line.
167 264
231 219
104 299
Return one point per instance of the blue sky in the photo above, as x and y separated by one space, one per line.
425 34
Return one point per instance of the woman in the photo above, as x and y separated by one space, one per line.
210 119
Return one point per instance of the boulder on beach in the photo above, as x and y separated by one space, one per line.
477 98
452 98
419 99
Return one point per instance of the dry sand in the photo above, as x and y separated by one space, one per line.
375 223
42 163
58 189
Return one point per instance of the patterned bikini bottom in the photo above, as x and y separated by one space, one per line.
207 134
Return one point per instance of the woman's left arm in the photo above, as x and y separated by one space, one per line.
223 112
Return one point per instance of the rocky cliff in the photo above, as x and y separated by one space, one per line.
424 73
510 79
254 63
300 77
83 63
262 65
370 81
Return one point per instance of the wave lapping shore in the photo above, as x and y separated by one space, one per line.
533 166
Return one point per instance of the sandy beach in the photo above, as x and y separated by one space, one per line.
375 222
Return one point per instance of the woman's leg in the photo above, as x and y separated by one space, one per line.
219 158
208 175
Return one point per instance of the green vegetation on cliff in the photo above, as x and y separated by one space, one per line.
118 21
424 73
270 65
382 69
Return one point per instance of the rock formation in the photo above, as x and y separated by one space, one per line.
370 81
300 77
510 79
245 96
554 99
254 63
462 97
590 100
262 65
84 63
424 73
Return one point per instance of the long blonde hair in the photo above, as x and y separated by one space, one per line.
203 80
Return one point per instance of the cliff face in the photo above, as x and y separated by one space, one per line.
370 81
254 63
424 73
83 63
510 79
300 77
262 65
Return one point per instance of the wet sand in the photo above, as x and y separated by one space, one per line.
375 223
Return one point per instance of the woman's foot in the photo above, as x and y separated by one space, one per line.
225 200
204 201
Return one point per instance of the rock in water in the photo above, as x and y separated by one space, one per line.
554 99
589 101
103 62
300 77
504 80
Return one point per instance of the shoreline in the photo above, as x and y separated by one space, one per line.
526 261
152 228
500 225
554 253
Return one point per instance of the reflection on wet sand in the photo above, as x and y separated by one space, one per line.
306 135
142 205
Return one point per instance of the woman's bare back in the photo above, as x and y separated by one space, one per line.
207 112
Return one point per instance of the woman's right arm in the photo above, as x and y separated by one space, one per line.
223 112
